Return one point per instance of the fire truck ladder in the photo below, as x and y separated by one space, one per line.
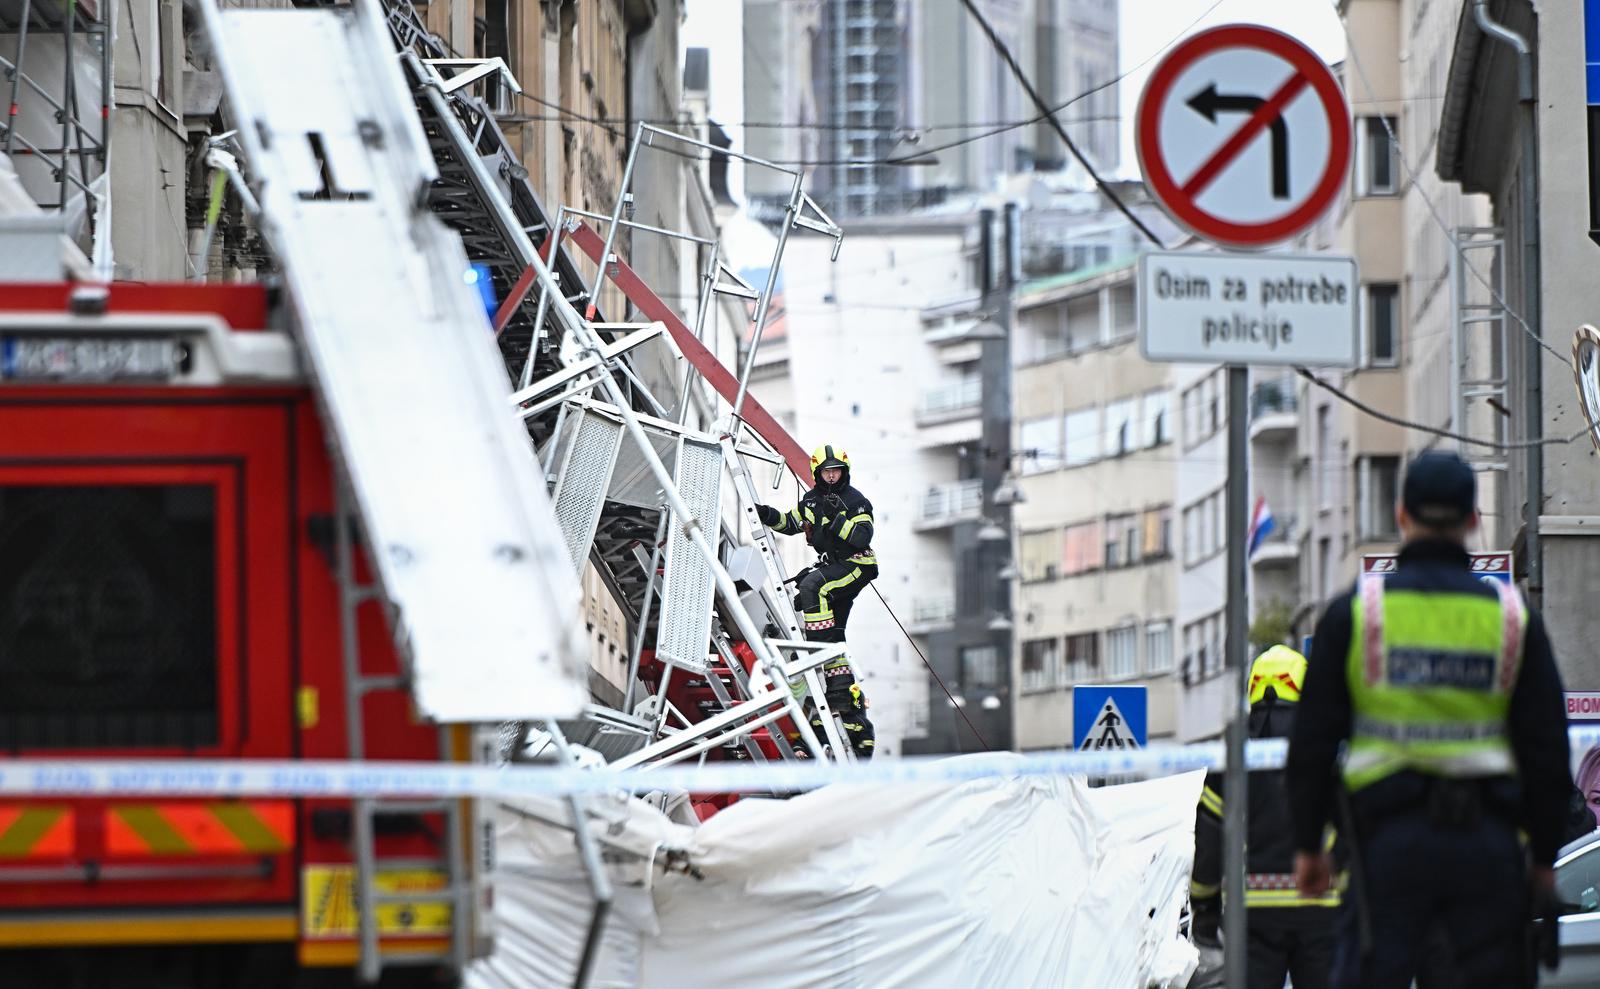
459 891
465 547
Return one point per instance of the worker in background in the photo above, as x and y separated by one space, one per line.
837 522
1290 934
1446 693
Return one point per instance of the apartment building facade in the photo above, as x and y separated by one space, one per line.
1097 526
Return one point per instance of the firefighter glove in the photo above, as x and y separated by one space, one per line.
769 516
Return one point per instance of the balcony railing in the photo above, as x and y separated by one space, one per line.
951 401
948 503
936 610
1273 396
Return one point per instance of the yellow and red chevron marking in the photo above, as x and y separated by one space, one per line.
221 827
30 832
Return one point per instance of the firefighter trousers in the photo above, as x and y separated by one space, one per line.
850 704
1291 941
825 595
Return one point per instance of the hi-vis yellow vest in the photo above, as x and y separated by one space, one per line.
1431 675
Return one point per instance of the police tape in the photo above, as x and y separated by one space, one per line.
328 778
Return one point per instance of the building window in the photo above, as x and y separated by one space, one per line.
1040 441
980 666
1154 427
1202 648
916 713
1083 436
1119 428
1156 542
1040 554
1041 661
1214 640
1202 410
1083 551
1083 322
1383 324
1377 490
1124 311
1122 653
1202 529
1377 167
1327 475
1122 541
1158 647
1083 657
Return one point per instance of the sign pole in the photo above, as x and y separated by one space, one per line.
1235 806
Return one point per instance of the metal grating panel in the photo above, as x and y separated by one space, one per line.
581 484
633 483
684 637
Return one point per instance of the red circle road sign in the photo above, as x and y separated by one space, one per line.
1243 135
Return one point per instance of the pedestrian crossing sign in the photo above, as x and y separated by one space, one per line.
1105 717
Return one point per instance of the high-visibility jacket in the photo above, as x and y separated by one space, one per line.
1431 675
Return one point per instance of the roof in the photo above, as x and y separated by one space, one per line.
1067 279
1482 76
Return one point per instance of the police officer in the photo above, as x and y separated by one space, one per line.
837 522
1444 688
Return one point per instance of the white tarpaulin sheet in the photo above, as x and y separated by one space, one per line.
1041 881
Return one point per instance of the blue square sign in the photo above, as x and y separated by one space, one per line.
1110 717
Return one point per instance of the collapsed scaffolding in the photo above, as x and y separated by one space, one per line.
635 485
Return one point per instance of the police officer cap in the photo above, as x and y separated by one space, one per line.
1440 489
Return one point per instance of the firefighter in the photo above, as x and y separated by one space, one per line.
1290 934
1444 691
837 522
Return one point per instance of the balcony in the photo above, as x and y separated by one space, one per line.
931 613
1274 409
1282 545
946 504
947 403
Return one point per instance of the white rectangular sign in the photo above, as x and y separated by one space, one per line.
1583 705
1217 307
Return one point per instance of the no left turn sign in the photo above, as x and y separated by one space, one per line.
1243 135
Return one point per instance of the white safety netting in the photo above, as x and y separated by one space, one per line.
1038 881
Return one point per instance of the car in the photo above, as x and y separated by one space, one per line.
1578 888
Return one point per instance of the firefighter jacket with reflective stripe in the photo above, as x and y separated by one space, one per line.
837 523
1431 676
1269 843
1432 573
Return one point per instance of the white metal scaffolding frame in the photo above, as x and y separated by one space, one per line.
796 214
79 142
692 528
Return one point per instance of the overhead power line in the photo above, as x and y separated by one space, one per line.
1045 112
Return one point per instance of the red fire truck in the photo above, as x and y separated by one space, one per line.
170 587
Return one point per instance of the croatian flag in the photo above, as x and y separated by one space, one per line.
1261 523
